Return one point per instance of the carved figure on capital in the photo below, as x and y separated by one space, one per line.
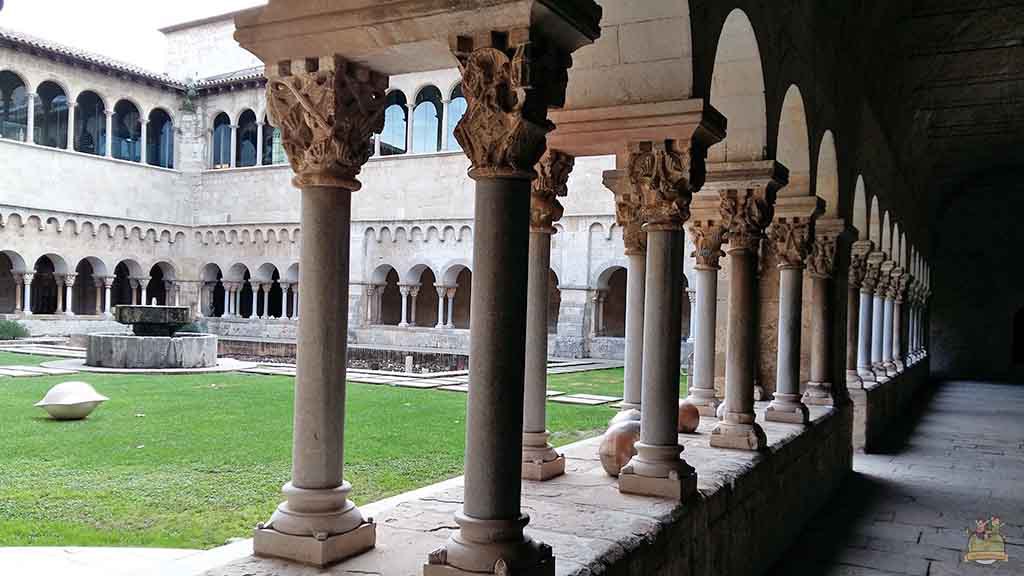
328 109
859 262
821 262
791 240
627 212
552 182
663 174
745 215
707 237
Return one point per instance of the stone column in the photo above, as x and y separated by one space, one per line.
634 238
404 291
28 277
259 143
98 284
410 111
897 317
58 279
142 135
371 301
71 125
30 137
858 268
691 295
451 306
234 145
108 283
791 237
266 287
441 290
706 232
821 267
295 300
109 141
889 323
69 282
445 145
19 283
144 288
285 313
255 287
540 461
414 293
227 301
746 211
867 320
327 110
878 322
504 138
660 174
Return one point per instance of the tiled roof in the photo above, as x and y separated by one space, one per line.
248 74
21 39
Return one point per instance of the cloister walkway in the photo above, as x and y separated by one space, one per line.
908 511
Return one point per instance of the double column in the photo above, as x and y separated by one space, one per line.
855 280
880 342
820 390
69 283
747 194
540 461
707 234
318 524
791 238
866 336
627 215
660 174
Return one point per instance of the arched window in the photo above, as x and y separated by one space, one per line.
247 134
426 121
456 108
90 124
396 114
273 149
13 107
127 132
160 139
221 141
51 116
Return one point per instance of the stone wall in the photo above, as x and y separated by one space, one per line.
880 407
60 325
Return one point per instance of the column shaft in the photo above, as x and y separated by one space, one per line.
702 381
852 335
897 334
787 405
440 306
636 282
18 288
877 339
819 388
887 337
864 338
405 306
28 294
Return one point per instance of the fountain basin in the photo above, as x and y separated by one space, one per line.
183 350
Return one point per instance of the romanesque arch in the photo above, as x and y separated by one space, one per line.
51 116
427 132
456 109
48 284
389 297
793 149
826 185
90 124
459 280
126 138
160 139
425 301
247 140
221 141
393 139
609 303
212 298
12 265
737 91
13 106
270 299
88 287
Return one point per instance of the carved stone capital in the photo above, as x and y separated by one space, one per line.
552 178
884 278
903 288
69 279
509 83
746 192
821 263
627 211
28 277
859 261
791 239
872 272
327 109
663 174
708 237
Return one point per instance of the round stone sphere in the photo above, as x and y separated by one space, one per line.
689 417
625 416
617 446
720 412
71 400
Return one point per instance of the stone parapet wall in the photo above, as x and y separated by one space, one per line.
879 407
60 325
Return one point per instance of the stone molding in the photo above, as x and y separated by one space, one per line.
552 182
328 109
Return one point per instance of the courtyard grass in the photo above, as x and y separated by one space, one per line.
603 382
15 359
192 461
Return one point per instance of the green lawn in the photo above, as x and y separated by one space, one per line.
191 461
12 359
604 382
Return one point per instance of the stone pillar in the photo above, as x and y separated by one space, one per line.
59 281
897 317
234 145
142 147
295 300
634 238
878 322
259 143
144 288
71 125
227 301
30 137
414 293
791 237
69 282
28 277
660 174
110 134
285 313
98 284
746 210
18 288
691 295
504 141
441 290
327 134
540 461
371 303
889 323
108 283
404 291
821 267
451 306
266 299
867 320
858 268
706 232
445 145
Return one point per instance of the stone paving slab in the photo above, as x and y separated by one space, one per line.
455 388
82 561
61 352
40 370
13 372
419 384
585 399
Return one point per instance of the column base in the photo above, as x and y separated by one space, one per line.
900 366
853 380
490 547
787 408
658 471
866 375
540 461
818 394
881 376
403 324
739 436
707 405
625 406
890 369
315 550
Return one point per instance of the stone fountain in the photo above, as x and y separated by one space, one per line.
155 342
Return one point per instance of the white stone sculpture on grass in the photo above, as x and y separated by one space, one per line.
71 401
